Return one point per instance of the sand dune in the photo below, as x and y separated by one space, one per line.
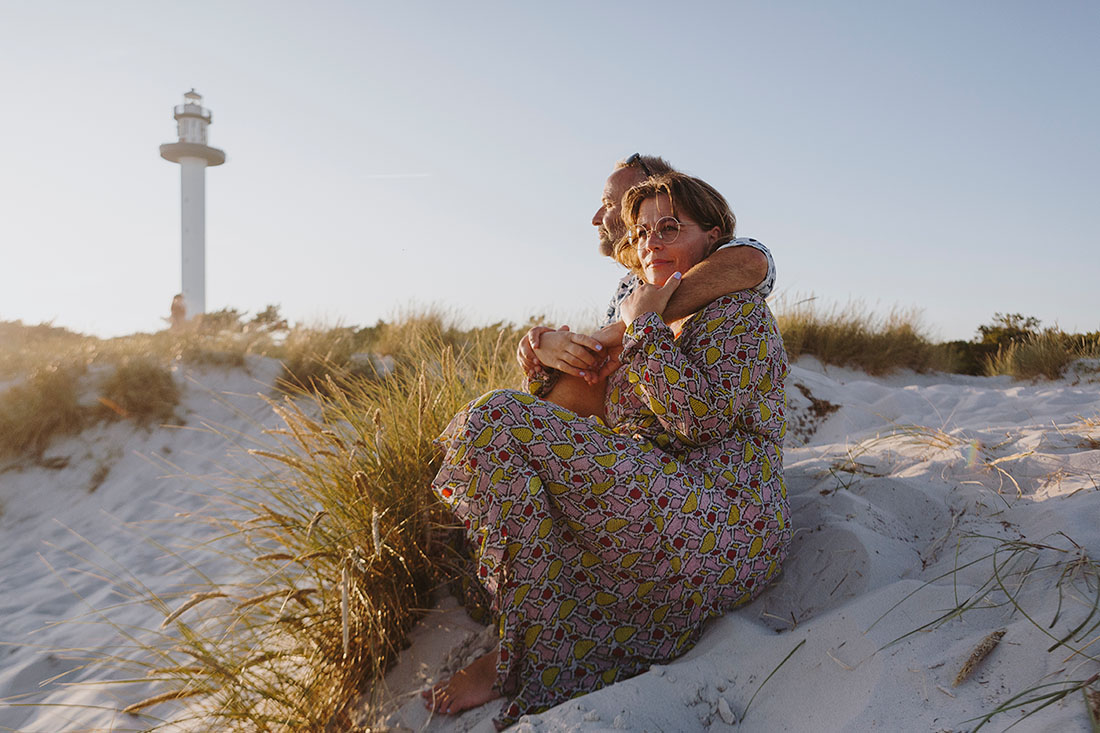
905 491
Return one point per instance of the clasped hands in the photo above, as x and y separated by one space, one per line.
592 358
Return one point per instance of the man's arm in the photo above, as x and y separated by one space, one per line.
726 271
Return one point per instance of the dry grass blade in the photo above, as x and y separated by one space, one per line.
345 629
288 460
194 600
1038 696
770 675
257 599
165 697
313 523
272 556
983 650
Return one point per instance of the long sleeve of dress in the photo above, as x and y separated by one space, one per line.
696 397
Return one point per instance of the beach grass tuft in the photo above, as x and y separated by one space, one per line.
35 411
852 336
338 542
1044 354
141 389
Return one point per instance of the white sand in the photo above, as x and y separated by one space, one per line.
888 493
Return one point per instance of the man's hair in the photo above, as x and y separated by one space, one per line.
694 198
655 164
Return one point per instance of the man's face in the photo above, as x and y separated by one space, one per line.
609 225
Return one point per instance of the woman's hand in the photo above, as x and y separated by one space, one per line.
568 352
525 351
648 298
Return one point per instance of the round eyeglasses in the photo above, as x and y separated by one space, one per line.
666 230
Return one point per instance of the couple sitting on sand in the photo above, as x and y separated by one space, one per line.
637 489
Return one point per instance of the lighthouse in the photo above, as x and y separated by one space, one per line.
193 155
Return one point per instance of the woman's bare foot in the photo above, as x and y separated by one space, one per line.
469 688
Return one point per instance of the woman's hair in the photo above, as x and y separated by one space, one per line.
691 197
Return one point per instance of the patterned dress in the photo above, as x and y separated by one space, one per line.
606 548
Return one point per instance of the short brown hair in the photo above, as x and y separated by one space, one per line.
695 198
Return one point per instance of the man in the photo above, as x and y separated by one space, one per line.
581 362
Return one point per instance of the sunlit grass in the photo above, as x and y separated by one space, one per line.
852 336
336 543
1045 354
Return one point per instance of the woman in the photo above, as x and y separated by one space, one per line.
606 548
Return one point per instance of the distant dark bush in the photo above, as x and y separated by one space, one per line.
969 357
1008 328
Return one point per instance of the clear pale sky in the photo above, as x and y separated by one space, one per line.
936 155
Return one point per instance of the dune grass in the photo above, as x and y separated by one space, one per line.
1044 354
47 372
140 389
853 337
339 543
44 364
44 406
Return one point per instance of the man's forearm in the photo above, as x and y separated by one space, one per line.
726 271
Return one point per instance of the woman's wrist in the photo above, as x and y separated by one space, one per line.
641 328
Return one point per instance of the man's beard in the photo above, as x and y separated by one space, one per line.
607 242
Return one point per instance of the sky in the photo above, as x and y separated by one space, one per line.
384 158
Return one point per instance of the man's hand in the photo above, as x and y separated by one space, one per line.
568 352
648 298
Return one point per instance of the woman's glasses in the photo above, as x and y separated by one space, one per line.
666 230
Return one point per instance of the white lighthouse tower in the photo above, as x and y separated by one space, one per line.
193 155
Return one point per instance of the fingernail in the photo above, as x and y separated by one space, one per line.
677 275
583 374
599 347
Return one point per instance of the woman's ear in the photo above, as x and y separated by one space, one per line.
713 234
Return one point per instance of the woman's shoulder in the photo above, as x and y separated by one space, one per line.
731 316
743 303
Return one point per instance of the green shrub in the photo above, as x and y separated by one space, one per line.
968 357
1008 328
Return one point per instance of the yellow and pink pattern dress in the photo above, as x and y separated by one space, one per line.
605 549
